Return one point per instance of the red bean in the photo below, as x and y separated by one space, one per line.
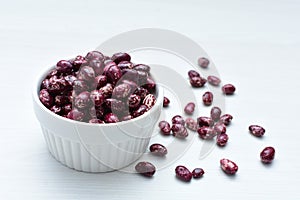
134 101
189 108
113 73
111 118
78 62
125 65
76 115
165 127
94 55
207 98
149 101
166 102
179 131
97 97
158 149
70 79
213 80
83 100
193 73
46 98
107 90
226 119
205 121
267 155
56 109
228 89
150 84
142 67
177 119
145 168
257 130
219 127
198 172
97 65
191 124
140 111
80 86
228 166
101 81
64 66
183 173
122 91
206 133
215 113
222 139
66 109
197 82
142 92
118 57
203 62
87 73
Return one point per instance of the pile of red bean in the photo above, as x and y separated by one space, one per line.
207 127
99 89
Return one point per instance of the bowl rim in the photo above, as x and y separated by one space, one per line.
36 87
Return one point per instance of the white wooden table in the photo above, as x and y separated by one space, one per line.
255 44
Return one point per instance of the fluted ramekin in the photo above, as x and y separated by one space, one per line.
95 147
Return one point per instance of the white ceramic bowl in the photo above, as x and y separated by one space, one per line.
95 147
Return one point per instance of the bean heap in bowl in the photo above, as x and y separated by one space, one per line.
98 88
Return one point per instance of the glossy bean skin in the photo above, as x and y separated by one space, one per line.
191 124
46 98
207 98
179 131
267 155
189 108
215 113
205 121
206 133
183 173
198 172
166 102
165 127
177 119
158 149
213 80
197 82
228 166
226 119
257 130
203 62
145 168
222 139
228 89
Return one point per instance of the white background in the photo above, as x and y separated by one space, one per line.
254 44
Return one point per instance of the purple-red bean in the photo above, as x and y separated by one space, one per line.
145 168
213 80
183 173
158 149
203 62
222 139
257 130
207 98
267 155
198 172
228 89
228 166
166 102
189 108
